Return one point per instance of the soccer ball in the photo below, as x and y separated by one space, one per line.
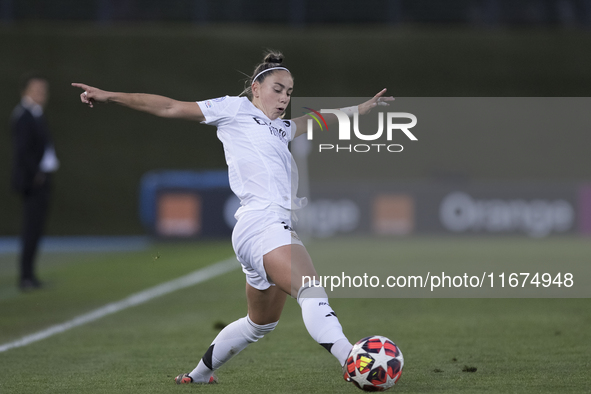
374 364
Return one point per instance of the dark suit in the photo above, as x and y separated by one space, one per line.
30 138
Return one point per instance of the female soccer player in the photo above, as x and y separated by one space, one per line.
264 177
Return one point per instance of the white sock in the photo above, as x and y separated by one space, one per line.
201 374
321 321
229 342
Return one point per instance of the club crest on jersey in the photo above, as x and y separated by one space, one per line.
277 132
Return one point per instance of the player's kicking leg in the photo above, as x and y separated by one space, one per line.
287 266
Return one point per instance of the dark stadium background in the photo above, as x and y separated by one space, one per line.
192 50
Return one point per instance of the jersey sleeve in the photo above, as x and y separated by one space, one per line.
291 128
219 110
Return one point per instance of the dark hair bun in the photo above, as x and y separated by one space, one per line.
271 60
273 57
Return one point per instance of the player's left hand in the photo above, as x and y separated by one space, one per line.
376 100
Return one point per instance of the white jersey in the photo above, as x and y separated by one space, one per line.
261 168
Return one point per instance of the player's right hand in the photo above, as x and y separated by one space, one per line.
91 95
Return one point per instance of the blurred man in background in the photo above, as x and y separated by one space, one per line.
34 160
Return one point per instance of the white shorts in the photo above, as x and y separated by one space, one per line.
257 233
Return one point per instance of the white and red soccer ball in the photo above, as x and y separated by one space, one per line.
374 364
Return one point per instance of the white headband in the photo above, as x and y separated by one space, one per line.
269 69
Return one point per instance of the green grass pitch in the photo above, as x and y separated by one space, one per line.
515 345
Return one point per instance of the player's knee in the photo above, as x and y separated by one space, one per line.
257 331
311 290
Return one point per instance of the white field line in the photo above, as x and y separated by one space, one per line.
188 280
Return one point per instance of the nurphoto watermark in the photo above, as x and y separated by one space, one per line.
356 133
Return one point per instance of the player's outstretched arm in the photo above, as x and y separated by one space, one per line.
362 109
378 99
153 104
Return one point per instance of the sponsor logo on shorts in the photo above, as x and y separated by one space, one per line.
291 230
